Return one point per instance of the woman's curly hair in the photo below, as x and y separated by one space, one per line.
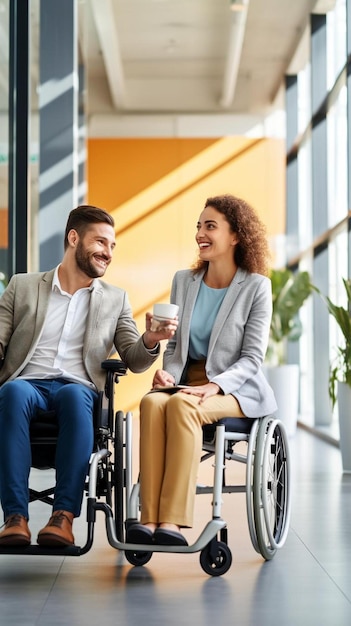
252 251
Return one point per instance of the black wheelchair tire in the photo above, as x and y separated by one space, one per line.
218 565
138 558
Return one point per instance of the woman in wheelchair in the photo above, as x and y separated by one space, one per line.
225 306
56 328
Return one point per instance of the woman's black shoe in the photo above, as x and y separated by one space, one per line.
137 533
164 537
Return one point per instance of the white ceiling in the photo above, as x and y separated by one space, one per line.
177 56
148 60
188 56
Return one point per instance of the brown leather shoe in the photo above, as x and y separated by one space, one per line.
58 531
16 531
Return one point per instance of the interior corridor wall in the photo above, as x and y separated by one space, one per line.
156 189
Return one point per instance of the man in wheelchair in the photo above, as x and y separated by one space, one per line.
56 328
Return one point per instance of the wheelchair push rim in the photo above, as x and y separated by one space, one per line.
271 487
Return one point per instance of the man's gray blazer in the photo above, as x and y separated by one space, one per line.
238 341
110 327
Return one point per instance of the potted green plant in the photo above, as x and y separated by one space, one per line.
290 290
340 374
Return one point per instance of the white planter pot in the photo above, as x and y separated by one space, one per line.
344 408
285 382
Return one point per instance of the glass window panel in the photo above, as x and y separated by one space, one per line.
336 41
337 159
337 271
337 168
305 194
4 122
306 352
304 98
33 247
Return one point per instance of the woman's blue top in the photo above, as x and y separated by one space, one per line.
206 307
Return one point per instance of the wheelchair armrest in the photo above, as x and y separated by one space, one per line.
101 414
115 366
104 408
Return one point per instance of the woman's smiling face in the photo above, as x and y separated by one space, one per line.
214 237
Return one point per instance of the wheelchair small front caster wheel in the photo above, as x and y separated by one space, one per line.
216 559
136 557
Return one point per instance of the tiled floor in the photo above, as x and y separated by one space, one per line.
308 582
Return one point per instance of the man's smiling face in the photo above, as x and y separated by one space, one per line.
94 250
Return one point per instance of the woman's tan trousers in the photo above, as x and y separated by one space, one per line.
170 451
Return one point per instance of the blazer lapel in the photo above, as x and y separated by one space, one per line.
93 316
227 305
188 307
44 291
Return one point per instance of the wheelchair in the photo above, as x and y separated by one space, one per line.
105 474
267 489
110 489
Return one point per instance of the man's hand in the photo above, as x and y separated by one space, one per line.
166 330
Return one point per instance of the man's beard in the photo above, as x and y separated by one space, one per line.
85 265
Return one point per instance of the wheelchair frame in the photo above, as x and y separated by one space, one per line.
267 486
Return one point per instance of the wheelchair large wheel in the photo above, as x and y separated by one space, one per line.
216 558
118 479
271 487
251 448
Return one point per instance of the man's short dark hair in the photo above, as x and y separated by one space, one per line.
83 216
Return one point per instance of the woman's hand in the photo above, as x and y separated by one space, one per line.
204 391
165 330
162 379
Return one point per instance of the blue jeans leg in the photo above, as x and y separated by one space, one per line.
74 405
19 401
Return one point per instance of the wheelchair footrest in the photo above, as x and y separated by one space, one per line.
40 551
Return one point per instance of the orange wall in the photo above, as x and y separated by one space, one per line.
155 189
120 168
3 228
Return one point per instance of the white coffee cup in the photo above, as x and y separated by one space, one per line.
163 311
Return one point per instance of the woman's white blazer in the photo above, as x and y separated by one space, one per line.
238 340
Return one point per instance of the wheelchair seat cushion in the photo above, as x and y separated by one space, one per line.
237 424
44 424
232 425
43 437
